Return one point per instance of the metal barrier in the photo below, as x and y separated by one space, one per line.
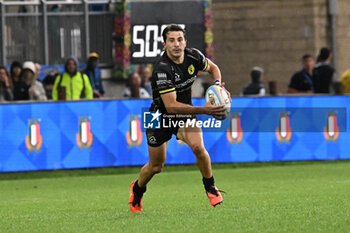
42 32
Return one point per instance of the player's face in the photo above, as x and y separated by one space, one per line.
175 44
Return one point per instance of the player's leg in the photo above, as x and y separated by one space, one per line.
157 143
157 157
193 137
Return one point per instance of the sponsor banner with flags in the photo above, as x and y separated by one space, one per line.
66 135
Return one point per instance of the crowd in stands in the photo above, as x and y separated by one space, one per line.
138 84
21 81
314 77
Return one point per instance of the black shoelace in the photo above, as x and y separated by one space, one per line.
213 191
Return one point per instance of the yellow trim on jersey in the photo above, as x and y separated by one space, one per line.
168 90
206 64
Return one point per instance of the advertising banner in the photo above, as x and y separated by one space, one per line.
111 133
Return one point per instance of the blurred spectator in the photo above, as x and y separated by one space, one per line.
134 89
145 74
324 75
15 71
198 88
5 85
301 81
94 75
345 80
49 81
19 90
256 87
37 70
35 88
72 84
28 8
55 8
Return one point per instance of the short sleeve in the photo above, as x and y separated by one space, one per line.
163 81
202 60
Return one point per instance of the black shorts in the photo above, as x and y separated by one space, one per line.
156 137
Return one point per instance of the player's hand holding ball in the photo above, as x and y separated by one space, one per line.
222 85
218 96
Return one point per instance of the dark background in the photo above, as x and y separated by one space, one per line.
189 13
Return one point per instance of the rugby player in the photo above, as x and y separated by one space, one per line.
172 79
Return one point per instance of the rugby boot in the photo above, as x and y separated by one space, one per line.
214 196
135 200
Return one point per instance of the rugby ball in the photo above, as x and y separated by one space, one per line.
220 97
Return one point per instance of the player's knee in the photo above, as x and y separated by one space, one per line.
157 169
198 149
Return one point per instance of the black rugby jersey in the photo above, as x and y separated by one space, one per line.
168 76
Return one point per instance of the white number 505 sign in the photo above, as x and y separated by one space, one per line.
147 38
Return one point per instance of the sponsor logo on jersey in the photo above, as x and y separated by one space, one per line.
84 136
34 139
331 131
134 135
188 81
284 131
177 77
190 69
161 76
235 133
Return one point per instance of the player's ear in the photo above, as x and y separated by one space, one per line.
163 44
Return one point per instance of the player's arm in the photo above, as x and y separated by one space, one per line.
215 73
174 107
214 70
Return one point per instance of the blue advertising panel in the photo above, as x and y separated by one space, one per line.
66 135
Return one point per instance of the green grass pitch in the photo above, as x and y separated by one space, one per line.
312 197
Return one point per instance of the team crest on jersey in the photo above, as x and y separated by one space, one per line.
190 69
331 131
134 135
34 139
235 133
84 136
284 131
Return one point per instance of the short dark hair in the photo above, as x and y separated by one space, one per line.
324 54
306 56
173 28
